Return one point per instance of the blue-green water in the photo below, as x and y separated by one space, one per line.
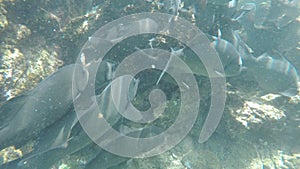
46 113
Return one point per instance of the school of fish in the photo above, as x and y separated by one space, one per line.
46 114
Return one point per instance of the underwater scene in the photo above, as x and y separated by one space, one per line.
149 84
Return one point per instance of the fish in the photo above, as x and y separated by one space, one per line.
66 136
174 53
106 159
242 48
273 72
61 134
78 140
174 6
23 117
261 14
53 143
246 11
232 3
275 75
229 55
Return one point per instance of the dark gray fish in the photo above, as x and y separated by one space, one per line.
66 136
25 116
44 160
105 159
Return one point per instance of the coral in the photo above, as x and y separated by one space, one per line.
10 153
19 72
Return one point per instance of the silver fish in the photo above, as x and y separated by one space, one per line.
174 53
242 48
230 57
274 75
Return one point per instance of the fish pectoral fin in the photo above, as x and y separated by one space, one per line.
242 68
66 143
290 92
62 139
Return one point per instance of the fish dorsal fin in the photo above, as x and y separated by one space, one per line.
278 55
174 53
219 33
264 55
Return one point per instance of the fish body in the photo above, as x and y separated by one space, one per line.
78 140
274 75
106 159
53 143
66 136
227 53
229 56
37 109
